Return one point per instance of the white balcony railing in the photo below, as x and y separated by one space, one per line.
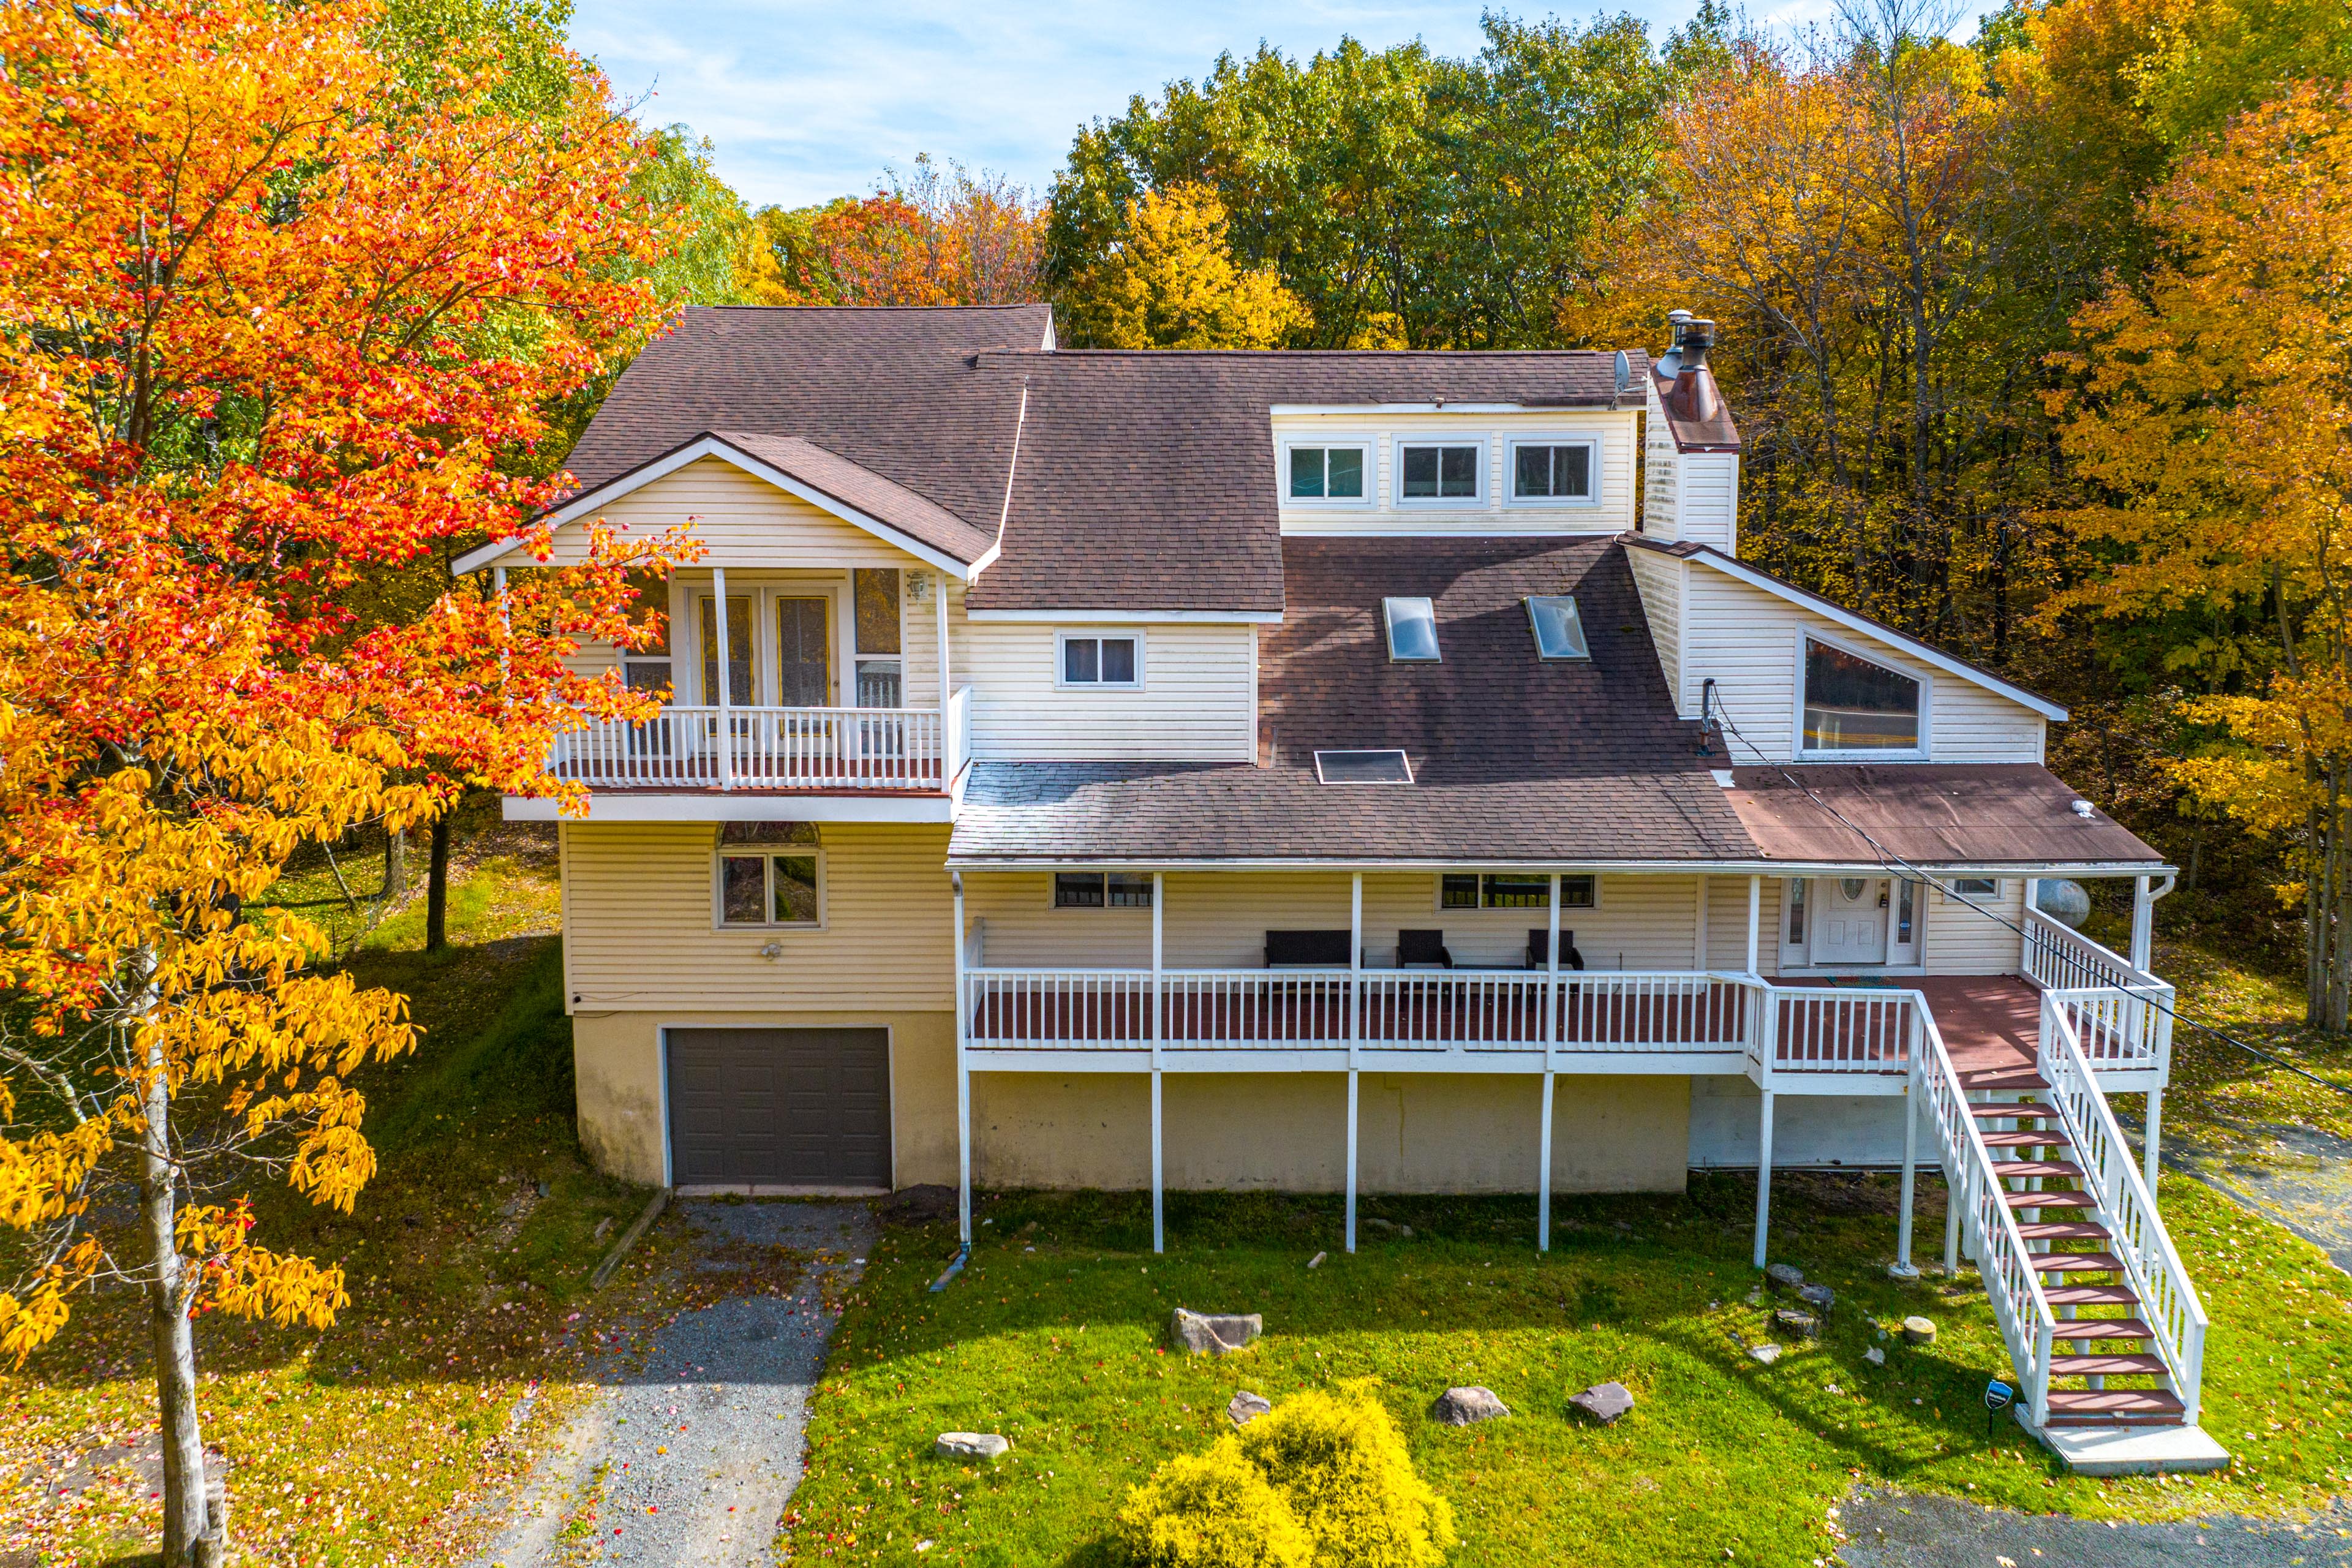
703 748
2122 1015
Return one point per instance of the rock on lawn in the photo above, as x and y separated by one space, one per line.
1214 1333
1604 1401
1464 1406
970 1445
1786 1275
1247 1407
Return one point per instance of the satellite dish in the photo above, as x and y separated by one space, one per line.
1624 371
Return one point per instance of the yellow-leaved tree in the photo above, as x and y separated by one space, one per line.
276 321
1170 282
2214 417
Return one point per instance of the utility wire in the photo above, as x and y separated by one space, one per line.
1889 860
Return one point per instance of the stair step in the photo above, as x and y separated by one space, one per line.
2114 1406
2114 1363
2062 1230
2077 1262
2053 1138
2020 1110
2050 1198
1994 1079
2019 1170
2090 1328
2090 1295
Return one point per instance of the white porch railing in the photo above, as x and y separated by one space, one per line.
1835 1028
2027 1323
2168 1300
2122 1015
771 748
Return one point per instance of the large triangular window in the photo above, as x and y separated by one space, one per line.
1853 704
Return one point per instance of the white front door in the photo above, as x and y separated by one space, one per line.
1850 920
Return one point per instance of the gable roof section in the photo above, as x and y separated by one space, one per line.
1706 555
1146 479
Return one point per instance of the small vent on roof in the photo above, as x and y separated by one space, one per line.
1363 767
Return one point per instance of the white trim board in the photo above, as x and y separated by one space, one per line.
722 806
589 502
1133 617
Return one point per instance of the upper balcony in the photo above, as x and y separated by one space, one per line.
920 750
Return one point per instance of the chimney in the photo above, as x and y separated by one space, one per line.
1671 361
1694 397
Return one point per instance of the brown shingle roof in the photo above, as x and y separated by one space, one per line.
863 490
1930 814
1516 759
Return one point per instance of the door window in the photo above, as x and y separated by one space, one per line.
880 661
803 652
741 668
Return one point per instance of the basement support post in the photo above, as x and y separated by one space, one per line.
1763 1177
1551 1037
1355 1031
1952 1202
2155 1127
1159 1195
963 1073
1904 1268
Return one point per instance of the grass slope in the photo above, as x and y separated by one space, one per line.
1060 1348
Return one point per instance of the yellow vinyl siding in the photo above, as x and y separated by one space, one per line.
639 928
1198 701
1965 940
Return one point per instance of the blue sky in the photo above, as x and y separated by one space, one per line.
805 102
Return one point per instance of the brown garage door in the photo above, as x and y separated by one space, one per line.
790 1107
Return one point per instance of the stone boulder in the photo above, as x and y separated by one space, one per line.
1768 1354
1820 1298
1214 1333
1785 1275
1801 1325
1466 1406
1604 1401
1247 1407
970 1445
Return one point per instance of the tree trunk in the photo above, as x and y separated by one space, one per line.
437 889
174 1339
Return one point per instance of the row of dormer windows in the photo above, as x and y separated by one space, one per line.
1549 470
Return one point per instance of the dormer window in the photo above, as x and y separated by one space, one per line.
1853 704
1326 473
1433 472
1551 471
1413 630
1559 633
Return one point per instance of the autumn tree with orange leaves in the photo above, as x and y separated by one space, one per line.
934 236
275 319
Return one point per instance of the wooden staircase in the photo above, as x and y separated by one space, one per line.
2100 1335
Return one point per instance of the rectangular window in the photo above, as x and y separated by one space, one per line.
1796 912
1513 891
1438 473
1559 633
1903 913
1977 890
741 668
648 669
1413 630
1102 889
1091 661
1552 472
770 874
874 591
1326 473
1853 704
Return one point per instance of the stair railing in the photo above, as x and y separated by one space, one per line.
2168 1301
2004 1260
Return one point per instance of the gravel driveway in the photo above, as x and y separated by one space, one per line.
690 1460
1887 1528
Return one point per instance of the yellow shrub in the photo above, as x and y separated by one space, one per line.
1321 1482
1212 1511
1342 1465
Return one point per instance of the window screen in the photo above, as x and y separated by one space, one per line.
1438 473
1098 661
1551 473
1855 705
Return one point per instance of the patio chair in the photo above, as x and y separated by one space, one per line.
1539 950
1421 948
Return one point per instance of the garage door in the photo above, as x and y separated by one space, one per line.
789 1107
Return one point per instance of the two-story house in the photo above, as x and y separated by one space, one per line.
1324 771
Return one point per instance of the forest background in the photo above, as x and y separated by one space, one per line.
1957 285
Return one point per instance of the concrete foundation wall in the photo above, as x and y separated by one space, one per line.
1807 1129
1416 1132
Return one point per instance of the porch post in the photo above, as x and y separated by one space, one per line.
718 630
2143 940
1698 937
1159 1237
963 1073
1755 918
947 686
1953 1200
1903 1266
1355 1030
506 621
2148 1140
1763 1177
1550 1012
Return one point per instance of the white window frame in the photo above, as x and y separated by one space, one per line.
1952 889
770 852
1437 892
1065 635
1482 445
1591 441
1325 444
1052 892
1919 753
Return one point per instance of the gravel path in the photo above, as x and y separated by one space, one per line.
690 1460
1887 1528
2299 1177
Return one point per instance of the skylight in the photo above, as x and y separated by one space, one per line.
1413 630
1559 633
1363 767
